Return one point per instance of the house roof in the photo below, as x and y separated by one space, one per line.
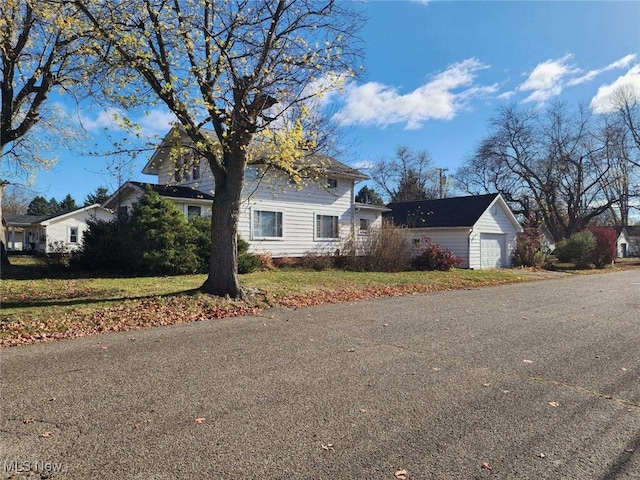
177 134
444 212
170 191
175 191
371 207
633 230
25 220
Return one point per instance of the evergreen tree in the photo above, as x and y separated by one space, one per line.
39 206
99 196
369 196
67 204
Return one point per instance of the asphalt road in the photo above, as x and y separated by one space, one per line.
534 381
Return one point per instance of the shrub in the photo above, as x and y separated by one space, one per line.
528 249
606 249
316 261
434 257
384 249
577 249
247 262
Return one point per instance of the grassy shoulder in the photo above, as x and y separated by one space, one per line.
44 309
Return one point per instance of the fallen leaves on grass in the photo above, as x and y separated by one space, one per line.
125 316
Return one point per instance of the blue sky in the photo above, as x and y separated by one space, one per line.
435 72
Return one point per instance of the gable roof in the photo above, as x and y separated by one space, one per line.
174 191
444 212
25 220
633 230
177 134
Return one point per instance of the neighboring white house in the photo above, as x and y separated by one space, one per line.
188 200
628 242
49 233
480 229
276 215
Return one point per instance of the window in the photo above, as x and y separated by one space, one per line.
365 224
123 210
195 171
267 224
332 183
73 234
326 226
180 173
194 211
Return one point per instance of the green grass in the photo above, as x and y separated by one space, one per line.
40 309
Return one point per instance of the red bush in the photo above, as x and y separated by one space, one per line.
606 246
434 257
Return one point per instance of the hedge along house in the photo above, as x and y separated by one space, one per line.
479 229
51 233
277 217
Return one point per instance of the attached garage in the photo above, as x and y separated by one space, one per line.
480 229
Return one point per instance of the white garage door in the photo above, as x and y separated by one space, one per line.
492 250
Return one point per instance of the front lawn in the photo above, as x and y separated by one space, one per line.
35 310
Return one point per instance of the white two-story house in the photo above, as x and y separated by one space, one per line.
277 216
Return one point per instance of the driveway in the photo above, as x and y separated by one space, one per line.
537 380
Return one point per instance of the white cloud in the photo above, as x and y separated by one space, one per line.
441 98
624 62
106 119
603 102
547 79
156 121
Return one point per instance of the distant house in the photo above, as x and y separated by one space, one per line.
628 243
48 233
188 200
480 229
276 216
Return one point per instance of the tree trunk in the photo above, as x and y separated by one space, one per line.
223 266
4 258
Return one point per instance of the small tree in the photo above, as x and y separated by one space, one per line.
528 250
605 249
577 249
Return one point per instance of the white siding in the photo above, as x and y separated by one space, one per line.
454 239
59 229
299 207
494 220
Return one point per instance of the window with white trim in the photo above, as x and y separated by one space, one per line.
326 226
267 224
194 211
73 234
365 224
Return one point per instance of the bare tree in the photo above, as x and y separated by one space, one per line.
246 69
549 166
408 176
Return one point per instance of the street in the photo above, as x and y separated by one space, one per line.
538 380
